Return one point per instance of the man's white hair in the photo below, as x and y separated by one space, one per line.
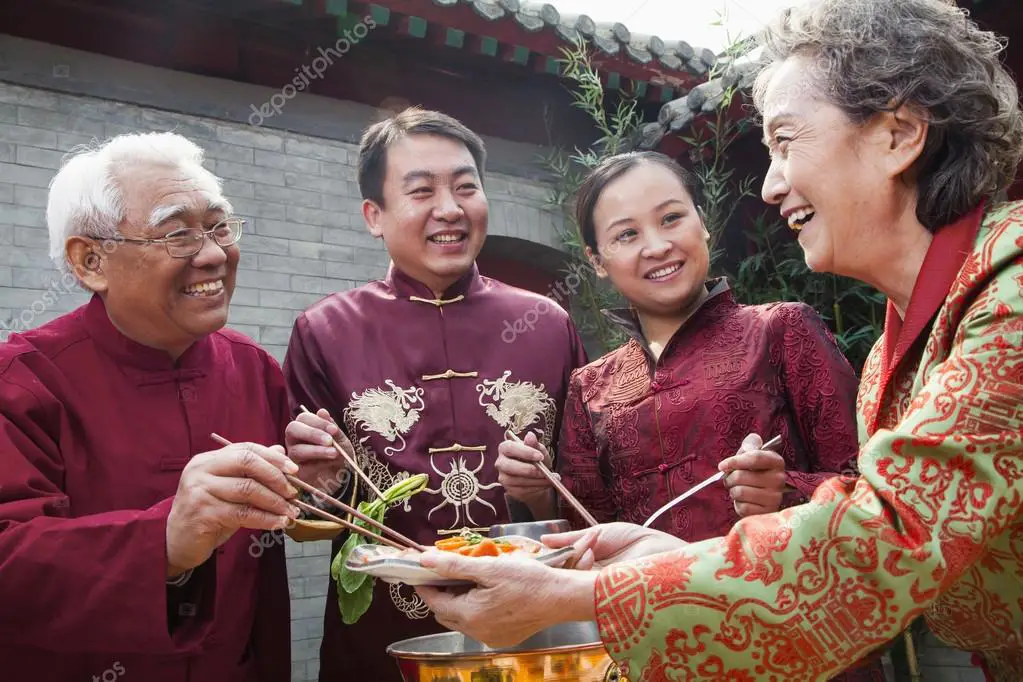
85 195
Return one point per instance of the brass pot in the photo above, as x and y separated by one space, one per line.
568 651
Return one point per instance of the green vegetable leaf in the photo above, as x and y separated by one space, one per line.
348 581
354 605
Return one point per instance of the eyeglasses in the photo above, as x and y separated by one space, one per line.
187 243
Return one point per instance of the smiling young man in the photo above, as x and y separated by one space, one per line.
414 369
119 515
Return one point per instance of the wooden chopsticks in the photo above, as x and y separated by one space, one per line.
351 462
569 497
299 483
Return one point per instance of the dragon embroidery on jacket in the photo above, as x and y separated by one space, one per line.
517 405
389 413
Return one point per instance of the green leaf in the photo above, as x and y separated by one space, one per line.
348 581
354 605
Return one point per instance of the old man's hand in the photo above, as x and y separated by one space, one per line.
514 598
308 440
755 478
239 486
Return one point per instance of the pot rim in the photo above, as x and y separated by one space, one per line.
495 653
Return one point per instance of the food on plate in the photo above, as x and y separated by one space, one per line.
473 544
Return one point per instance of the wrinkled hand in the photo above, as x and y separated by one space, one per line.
238 486
308 440
611 543
513 599
755 478
517 472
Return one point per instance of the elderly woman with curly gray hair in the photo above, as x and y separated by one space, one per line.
893 132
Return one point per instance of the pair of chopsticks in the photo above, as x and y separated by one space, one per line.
351 462
774 442
569 497
299 483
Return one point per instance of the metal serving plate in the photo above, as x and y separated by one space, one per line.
387 564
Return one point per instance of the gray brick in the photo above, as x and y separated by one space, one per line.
31 236
306 649
315 183
352 236
287 230
245 296
309 285
313 670
16 94
259 209
312 216
6 152
324 150
292 548
43 158
7 193
376 256
68 141
195 129
340 171
115 129
6 280
358 272
250 138
27 216
26 135
25 258
237 189
34 278
28 196
8 113
6 235
239 171
308 567
296 588
58 121
310 628
261 279
249 315
298 671
276 352
288 300
497 186
254 243
316 587
22 175
318 548
107 111
339 201
278 336
287 163
322 251
249 330
226 152
288 195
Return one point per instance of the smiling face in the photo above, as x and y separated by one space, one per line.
831 177
434 216
155 299
651 240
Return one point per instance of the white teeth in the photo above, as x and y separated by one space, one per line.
206 288
798 218
446 238
665 271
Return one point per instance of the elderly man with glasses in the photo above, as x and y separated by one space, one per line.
120 550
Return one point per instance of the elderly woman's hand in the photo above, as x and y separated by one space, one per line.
513 599
613 542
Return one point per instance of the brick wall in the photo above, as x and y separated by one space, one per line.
305 236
